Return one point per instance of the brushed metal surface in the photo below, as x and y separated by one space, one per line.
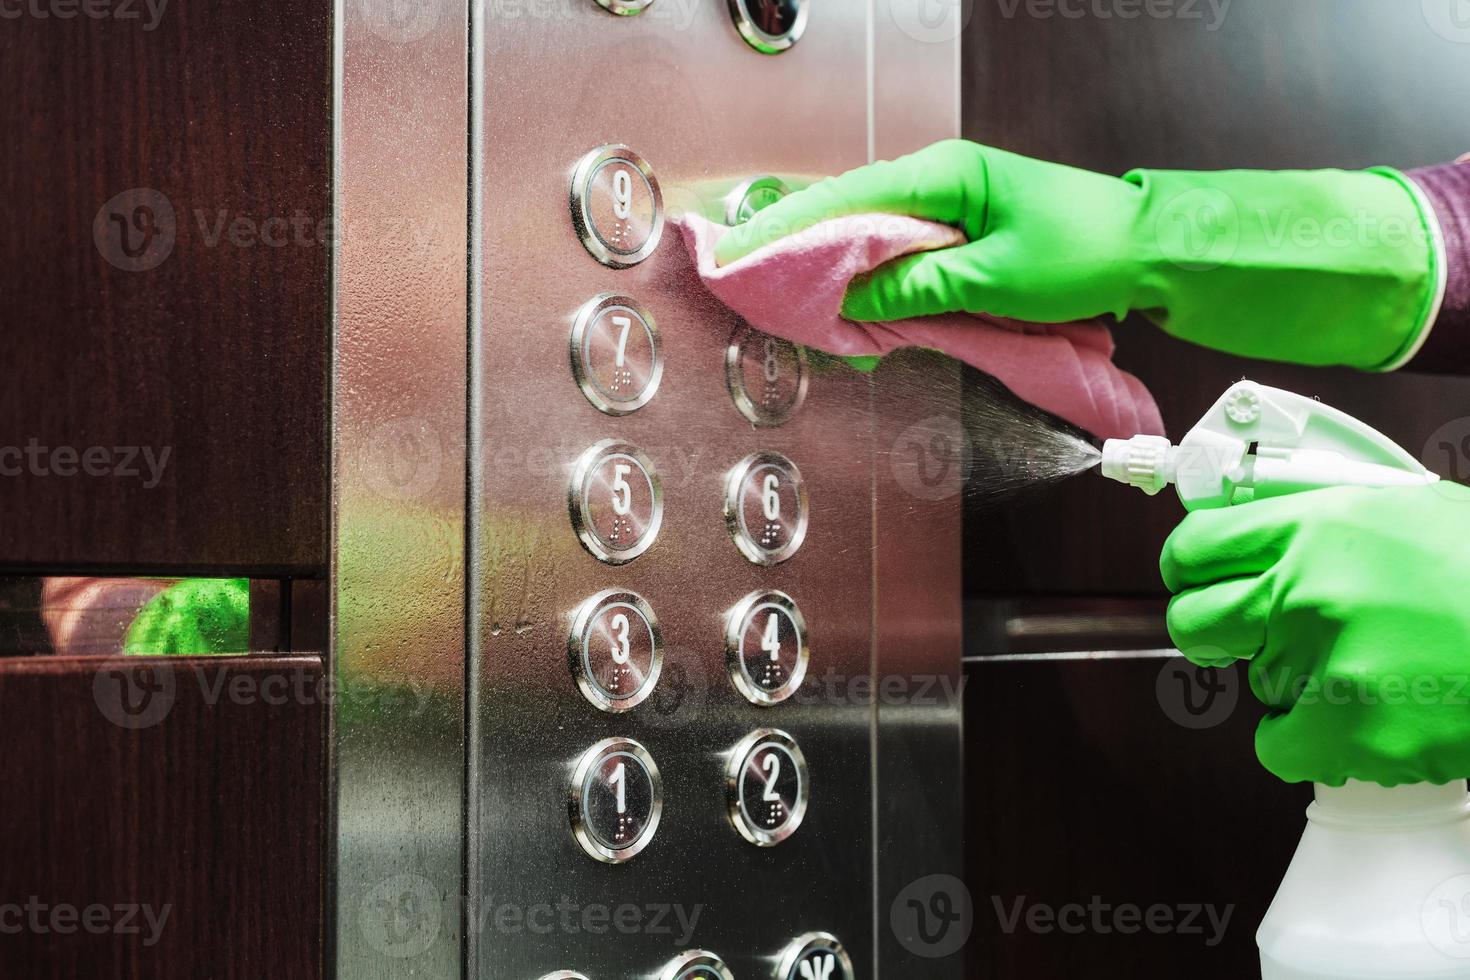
398 423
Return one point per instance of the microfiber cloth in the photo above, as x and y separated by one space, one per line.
793 288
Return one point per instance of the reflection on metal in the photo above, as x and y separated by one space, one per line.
751 196
770 26
697 964
397 477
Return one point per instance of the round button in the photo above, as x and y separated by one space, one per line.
766 508
616 800
625 8
616 650
767 787
751 196
617 208
769 26
815 955
767 376
565 975
766 650
616 501
697 964
615 354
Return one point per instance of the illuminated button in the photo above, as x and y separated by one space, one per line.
767 376
697 964
616 206
765 647
616 800
616 650
625 8
769 26
767 787
817 954
616 501
751 196
766 508
615 354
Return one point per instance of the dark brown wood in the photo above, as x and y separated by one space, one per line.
217 355
1311 83
210 808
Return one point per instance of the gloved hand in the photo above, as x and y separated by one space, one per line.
197 616
1352 606
1317 267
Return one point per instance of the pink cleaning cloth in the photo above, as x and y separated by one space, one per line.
793 288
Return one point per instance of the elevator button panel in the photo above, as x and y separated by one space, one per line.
766 507
815 955
616 650
753 195
616 501
615 352
766 648
767 787
616 800
767 376
617 208
769 26
697 964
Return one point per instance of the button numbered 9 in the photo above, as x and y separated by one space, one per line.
617 207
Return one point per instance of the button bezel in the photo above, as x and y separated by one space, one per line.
582 175
735 381
735 628
759 39
583 833
625 8
737 197
751 743
693 960
577 650
807 943
733 509
576 502
565 975
586 317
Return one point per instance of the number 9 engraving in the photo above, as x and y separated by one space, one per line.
622 194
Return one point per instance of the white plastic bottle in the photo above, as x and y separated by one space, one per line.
1379 888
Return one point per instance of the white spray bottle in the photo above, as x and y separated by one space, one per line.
1379 888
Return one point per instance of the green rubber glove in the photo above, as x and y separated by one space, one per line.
1317 267
197 616
1351 606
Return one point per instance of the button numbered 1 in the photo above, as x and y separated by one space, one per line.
616 650
766 507
816 954
616 800
616 501
617 208
766 648
615 354
767 376
697 964
767 787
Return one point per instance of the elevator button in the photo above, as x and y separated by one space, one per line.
767 376
616 800
751 196
617 208
817 954
766 649
625 8
697 964
766 507
616 501
615 354
769 26
565 975
767 787
616 650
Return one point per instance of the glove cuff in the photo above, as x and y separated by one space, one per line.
1439 275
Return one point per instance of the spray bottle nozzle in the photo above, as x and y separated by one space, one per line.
1142 461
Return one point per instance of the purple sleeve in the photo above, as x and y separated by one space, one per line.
1447 348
